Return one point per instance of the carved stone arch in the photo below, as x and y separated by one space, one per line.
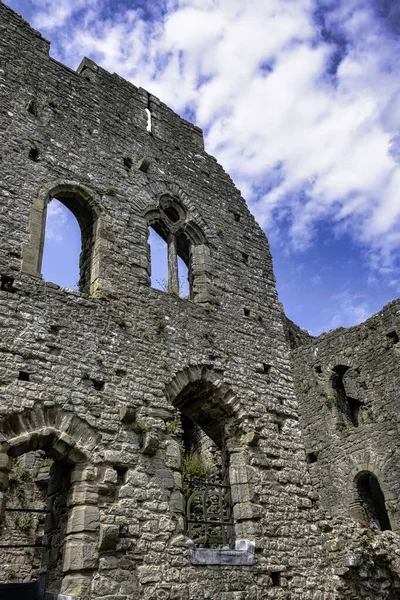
189 384
185 232
364 463
71 442
84 204
201 393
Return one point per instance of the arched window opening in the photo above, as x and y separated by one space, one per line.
33 531
373 500
62 246
53 228
170 256
208 505
159 260
347 406
188 273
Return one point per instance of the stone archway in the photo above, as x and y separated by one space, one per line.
201 394
70 441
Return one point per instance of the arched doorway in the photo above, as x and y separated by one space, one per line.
61 524
372 500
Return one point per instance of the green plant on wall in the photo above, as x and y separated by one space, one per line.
25 523
196 466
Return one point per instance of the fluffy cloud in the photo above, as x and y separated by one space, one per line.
299 99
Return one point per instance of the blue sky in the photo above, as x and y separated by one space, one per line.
299 101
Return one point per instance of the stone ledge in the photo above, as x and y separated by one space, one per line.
51 596
243 554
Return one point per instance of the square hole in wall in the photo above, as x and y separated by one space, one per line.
245 257
24 376
264 368
236 217
318 369
393 337
312 457
246 312
276 578
7 283
98 384
121 473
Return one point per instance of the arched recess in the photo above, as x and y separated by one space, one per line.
209 413
368 486
347 406
186 239
372 500
72 551
81 201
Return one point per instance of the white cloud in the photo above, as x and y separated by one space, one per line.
351 310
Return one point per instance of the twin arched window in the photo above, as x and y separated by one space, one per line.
185 242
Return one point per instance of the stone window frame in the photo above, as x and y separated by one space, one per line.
184 238
60 434
83 204
245 515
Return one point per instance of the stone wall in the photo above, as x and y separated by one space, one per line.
95 378
352 429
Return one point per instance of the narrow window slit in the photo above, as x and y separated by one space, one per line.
127 163
34 154
246 312
312 457
148 113
276 578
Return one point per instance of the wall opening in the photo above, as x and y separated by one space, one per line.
33 531
208 505
169 256
62 247
373 500
348 407
64 218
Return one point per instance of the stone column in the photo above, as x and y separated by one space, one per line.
173 279
81 554
5 468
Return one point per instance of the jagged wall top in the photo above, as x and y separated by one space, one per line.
167 124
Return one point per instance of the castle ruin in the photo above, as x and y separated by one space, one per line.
159 447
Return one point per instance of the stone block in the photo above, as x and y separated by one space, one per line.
76 585
127 414
5 462
83 518
80 555
173 455
150 443
83 493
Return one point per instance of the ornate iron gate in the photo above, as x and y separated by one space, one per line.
208 519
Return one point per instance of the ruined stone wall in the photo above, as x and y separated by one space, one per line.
341 445
96 379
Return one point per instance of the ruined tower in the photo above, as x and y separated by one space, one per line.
118 389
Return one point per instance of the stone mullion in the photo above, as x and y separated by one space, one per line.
173 278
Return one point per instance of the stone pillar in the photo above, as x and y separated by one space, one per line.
244 511
81 554
5 468
173 279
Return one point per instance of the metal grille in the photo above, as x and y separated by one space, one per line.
207 513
